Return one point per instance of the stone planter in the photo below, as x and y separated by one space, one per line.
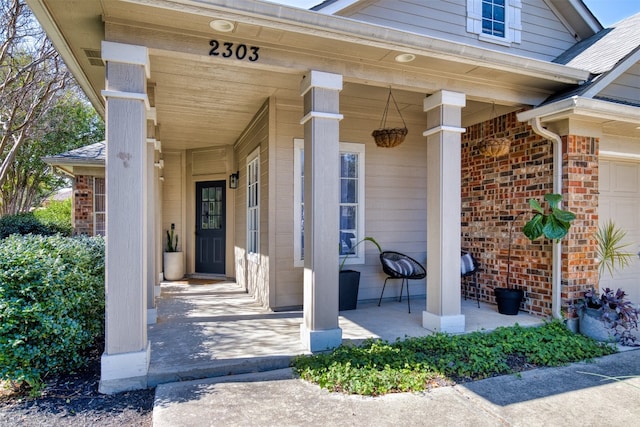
572 324
173 266
592 325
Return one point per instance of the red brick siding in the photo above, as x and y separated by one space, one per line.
83 205
496 190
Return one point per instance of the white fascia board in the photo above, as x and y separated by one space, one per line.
583 107
296 20
337 6
54 34
610 76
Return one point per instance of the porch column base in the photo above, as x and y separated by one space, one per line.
320 340
124 371
449 324
157 289
152 316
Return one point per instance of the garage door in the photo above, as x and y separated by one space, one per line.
620 202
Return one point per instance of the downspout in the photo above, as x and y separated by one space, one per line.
556 267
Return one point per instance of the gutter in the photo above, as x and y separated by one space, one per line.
556 271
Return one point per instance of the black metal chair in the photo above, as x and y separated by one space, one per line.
469 268
400 266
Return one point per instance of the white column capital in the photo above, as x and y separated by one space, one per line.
321 80
126 54
445 97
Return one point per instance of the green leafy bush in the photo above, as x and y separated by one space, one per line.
56 214
415 364
51 304
27 223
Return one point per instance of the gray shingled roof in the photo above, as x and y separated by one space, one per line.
601 52
89 154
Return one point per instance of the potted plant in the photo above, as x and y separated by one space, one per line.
609 316
173 259
349 280
571 319
554 224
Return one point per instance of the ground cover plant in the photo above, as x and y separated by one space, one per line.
415 364
51 305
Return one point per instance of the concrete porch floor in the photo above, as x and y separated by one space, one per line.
210 328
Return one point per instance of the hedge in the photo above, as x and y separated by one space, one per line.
28 223
51 304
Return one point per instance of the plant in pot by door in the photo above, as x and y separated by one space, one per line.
173 259
609 316
554 224
349 280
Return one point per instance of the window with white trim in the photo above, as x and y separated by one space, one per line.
495 21
253 203
99 206
351 209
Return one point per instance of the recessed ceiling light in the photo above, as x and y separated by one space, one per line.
222 25
405 57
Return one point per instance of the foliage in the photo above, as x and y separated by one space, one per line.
365 239
553 225
51 304
172 240
617 313
57 214
69 124
28 223
610 248
414 364
32 75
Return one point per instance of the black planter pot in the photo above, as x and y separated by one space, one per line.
349 284
508 300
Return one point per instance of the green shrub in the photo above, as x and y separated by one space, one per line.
51 304
27 223
56 214
415 364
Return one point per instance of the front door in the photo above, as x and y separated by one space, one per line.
210 227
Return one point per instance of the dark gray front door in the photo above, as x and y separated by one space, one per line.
210 227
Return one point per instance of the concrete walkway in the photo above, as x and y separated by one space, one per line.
575 395
210 329
207 329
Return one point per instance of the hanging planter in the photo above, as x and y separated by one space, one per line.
493 146
389 137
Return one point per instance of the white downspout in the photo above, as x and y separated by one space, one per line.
556 267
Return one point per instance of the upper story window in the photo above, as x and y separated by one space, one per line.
493 17
495 21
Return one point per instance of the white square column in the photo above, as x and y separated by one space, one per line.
321 91
125 360
444 210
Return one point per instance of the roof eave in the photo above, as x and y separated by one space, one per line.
580 106
336 27
55 35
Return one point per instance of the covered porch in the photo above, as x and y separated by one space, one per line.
209 328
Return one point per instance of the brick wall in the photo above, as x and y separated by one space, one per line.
83 205
495 194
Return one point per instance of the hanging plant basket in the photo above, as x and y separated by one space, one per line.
389 137
494 147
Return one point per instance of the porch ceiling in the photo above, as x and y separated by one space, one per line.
203 100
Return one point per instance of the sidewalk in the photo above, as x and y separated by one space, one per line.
567 396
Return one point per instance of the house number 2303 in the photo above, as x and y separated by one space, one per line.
228 50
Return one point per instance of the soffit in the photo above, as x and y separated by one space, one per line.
203 100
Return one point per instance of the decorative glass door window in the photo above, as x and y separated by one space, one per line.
211 216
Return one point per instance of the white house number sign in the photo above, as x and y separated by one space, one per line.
229 50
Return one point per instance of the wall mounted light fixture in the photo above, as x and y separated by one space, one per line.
234 178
